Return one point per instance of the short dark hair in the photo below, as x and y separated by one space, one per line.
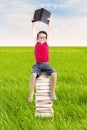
43 33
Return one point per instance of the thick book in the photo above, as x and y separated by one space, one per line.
43 87
43 83
43 94
44 110
44 101
43 105
44 114
43 98
41 15
43 91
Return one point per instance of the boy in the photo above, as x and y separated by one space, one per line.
41 53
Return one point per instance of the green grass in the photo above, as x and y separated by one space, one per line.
70 108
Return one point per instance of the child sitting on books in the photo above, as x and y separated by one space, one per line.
41 53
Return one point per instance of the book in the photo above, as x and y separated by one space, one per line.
43 101
44 110
43 84
41 80
43 105
41 15
43 97
43 94
44 114
43 87
43 91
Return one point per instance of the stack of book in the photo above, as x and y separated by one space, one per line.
43 96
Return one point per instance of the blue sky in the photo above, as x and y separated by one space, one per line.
68 22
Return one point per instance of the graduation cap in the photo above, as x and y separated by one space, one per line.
41 15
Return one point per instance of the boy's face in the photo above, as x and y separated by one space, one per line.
42 38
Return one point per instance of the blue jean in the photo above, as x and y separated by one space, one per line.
42 67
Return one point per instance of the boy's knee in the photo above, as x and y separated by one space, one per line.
34 74
54 74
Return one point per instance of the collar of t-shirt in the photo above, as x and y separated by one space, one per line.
42 43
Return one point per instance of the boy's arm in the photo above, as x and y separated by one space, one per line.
49 33
33 30
48 25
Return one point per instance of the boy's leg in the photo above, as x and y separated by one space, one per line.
51 71
32 84
54 80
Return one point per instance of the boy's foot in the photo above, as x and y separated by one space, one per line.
54 96
30 98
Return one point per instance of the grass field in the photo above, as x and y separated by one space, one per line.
70 108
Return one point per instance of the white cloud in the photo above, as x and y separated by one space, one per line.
70 31
17 28
57 5
54 6
71 2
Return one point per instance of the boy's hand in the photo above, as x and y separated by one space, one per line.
32 20
48 19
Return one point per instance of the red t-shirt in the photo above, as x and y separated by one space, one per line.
41 52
